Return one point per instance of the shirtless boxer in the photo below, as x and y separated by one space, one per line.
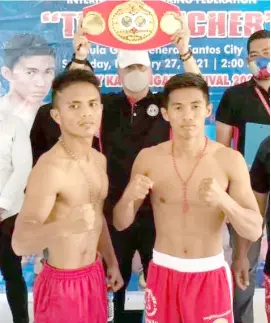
63 211
188 279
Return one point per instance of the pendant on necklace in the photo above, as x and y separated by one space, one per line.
185 200
185 206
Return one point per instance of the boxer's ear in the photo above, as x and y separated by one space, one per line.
209 109
55 115
165 114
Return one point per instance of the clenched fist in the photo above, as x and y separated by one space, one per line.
182 36
210 192
138 188
81 44
81 219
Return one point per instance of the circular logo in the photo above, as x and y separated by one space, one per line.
150 303
133 22
153 110
221 321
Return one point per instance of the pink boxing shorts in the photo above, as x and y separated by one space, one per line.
267 296
188 290
71 296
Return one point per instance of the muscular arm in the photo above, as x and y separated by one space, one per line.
225 119
224 133
32 235
260 181
125 210
240 205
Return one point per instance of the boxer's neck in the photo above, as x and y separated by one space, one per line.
191 147
80 147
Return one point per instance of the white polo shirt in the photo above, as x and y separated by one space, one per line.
15 162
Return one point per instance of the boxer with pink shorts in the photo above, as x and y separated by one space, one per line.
188 290
71 296
194 191
63 211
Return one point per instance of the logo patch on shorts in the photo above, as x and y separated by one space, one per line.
221 321
150 303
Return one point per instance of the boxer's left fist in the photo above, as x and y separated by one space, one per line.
210 192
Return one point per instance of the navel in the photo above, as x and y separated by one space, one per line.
146 174
185 251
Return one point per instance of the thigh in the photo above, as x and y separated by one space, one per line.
207 297
161 295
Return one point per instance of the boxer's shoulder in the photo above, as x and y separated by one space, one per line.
100 157
157 150
53 162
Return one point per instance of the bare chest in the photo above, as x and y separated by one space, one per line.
171 186
84 183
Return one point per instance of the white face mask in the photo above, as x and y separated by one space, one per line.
136 81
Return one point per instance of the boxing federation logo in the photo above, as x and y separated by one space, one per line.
150 303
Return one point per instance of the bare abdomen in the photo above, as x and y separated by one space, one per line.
197 234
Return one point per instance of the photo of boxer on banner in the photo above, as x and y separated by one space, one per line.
29 68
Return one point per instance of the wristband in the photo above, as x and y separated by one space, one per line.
189 53
79 61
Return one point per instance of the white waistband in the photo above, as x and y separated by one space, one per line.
189 265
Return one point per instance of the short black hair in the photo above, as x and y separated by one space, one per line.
23 45
260 34
185 80
67 78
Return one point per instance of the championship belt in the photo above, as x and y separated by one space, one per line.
134 24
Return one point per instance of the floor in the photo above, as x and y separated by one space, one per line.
132 303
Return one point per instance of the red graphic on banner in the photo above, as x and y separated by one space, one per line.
210 24
155 38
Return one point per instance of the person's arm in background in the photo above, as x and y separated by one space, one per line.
81 47
260 182
22 164
224 120
37 136
260 175
181 40
224 135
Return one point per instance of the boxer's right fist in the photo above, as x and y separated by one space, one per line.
138 188
82 219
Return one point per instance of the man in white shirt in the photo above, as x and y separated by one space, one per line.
29 67
15 166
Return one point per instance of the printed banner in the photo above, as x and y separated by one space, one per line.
219 32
